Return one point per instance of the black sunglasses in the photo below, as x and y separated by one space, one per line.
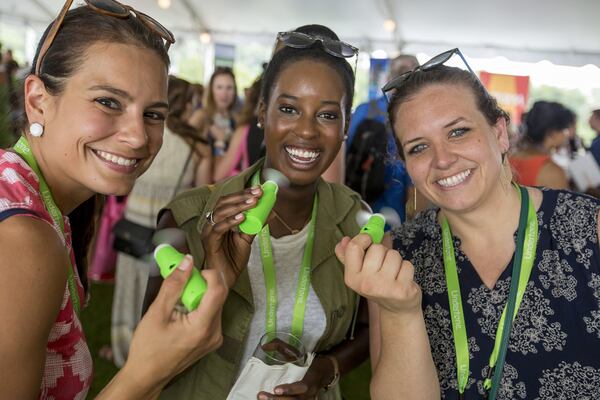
435 62
336 48
299 40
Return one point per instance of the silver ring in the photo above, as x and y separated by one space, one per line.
209 218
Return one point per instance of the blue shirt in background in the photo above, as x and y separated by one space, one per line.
396 178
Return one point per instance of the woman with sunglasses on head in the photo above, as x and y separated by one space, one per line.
305 106
95 105
437 301
297 38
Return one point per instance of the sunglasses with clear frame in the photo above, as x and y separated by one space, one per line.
106 7
435 62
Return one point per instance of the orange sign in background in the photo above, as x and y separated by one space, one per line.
511 91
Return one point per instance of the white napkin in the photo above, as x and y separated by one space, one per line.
258 376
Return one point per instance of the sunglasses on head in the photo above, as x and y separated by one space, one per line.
299 40
111 8
336 48
435 62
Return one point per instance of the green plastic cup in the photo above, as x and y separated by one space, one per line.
256 217
168 258
375 227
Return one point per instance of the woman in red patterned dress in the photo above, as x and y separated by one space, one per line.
95 104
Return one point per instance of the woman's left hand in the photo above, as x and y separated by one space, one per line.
319 374
225 248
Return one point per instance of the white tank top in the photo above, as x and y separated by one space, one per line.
287 255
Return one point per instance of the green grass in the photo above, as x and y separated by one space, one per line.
96 323
355 385
6 136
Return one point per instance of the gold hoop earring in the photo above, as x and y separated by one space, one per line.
415 200
411 212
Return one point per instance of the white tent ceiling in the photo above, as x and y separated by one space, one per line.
561 31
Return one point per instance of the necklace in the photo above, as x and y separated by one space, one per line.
289 228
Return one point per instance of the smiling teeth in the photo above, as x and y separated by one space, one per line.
305 154
454 180
126 162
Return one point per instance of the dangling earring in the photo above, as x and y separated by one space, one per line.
36 129
506 177
415 200
411 212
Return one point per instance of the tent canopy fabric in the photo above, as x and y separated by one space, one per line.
563 32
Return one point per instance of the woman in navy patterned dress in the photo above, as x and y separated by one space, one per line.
454 140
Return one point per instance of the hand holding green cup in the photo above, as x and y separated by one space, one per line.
256 217
375 228
168 258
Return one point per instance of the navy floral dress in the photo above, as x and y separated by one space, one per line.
554 347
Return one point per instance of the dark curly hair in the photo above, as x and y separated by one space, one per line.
545 117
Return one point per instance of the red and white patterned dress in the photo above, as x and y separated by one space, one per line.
68 366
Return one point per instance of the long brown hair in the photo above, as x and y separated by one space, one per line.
210 106
81 28
180 96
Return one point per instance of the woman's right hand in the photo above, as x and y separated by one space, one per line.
379 274
167 341
226 248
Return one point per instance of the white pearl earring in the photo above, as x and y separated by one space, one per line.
36 129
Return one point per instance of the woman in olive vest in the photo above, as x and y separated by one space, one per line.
305 108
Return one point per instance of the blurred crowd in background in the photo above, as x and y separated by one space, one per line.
212 133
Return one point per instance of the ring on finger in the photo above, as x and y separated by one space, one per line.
210 219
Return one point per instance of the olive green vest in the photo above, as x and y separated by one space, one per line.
212 377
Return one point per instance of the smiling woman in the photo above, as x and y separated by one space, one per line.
121 122
306 98
305 147
95 103
493 293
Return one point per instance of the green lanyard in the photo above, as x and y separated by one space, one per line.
524 256
266 254
22 148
